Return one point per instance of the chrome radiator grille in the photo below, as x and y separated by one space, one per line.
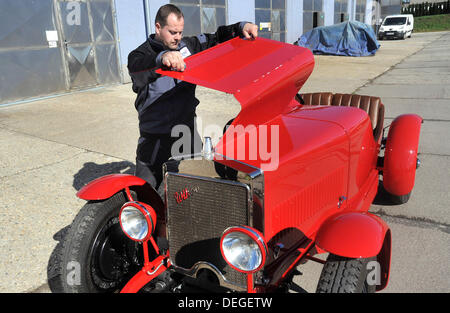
199 210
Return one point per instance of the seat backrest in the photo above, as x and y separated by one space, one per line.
371 105
318 98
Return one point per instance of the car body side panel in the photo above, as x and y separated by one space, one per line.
325 163
311 176
363 174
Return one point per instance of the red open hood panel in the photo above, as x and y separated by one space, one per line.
264 75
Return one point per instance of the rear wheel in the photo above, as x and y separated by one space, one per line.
399 199
96 256
345 275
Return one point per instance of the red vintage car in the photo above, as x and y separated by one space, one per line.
293 176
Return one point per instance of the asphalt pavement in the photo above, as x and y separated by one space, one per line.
52 147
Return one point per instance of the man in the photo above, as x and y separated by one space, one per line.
163 102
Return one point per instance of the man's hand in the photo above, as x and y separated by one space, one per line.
173 60
250 31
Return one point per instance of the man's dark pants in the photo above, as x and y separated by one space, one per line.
154 150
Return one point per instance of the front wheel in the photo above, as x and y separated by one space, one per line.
95 255
345 275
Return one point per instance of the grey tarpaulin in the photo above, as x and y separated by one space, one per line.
347 39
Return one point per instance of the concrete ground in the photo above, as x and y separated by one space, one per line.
52 147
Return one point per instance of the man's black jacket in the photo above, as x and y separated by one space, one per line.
163 102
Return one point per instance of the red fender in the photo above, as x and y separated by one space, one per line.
352 234
358 235
400 156
106 186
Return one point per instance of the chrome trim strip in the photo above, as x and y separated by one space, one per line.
259 238
211 179
192 272
257 171
156 269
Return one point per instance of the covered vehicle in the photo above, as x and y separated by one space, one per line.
349 38
285 182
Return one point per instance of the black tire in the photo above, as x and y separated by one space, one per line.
95 255
388 198
400 199
344 275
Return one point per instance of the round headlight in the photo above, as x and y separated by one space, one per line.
243 248
137 220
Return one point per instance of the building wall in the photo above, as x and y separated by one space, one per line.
369 18
134 22
351 8
239 11
52 47
135 18
294 20
389 7
151 7
423 1
131 29
328 8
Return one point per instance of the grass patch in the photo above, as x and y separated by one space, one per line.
432 23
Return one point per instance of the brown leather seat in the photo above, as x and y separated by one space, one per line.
371 105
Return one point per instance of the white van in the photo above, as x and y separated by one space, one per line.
396 26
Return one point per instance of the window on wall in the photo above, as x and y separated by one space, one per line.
360 10
313 15
270 16
202 16
340 11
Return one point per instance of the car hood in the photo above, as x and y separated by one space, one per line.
264 75
393 27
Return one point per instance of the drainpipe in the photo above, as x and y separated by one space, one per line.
148 24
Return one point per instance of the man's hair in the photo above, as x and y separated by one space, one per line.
165 11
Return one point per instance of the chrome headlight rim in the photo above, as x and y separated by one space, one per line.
148 215
255 236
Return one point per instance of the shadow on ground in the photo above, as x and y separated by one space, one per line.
91 171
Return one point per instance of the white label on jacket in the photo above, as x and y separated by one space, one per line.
185 52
